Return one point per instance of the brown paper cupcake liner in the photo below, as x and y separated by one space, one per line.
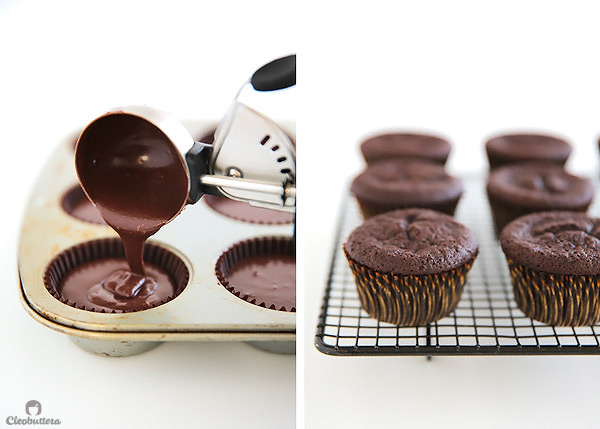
261 246
370 208
504 213
408 300
556 299
108 248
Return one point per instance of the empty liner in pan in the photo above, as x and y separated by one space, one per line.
81 277
77 204
261 271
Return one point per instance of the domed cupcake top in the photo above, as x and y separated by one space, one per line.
411 241
405 145
556 242
406 181
510 148
540 185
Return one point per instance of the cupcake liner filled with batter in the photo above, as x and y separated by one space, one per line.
261 271
247 213
95 276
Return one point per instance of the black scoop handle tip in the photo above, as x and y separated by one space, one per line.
278 74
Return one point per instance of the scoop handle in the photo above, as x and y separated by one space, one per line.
278 74
197 160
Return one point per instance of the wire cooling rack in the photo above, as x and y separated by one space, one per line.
486 321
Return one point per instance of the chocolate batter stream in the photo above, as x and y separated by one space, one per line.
136 178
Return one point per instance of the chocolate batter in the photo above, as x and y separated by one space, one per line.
138 182
134 176
110 286
268 279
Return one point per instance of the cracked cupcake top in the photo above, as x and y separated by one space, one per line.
406 182
555 242
412 241
540 186
401 145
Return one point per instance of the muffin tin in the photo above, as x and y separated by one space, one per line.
204 310
486 321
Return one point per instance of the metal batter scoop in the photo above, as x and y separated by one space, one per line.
251 160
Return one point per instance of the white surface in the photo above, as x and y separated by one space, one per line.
465 69
63 63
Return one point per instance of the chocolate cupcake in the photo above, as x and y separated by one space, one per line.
410 265
515 148
519 189
554 262
406 145
395 184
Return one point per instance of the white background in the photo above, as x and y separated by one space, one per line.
61 64
465 69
